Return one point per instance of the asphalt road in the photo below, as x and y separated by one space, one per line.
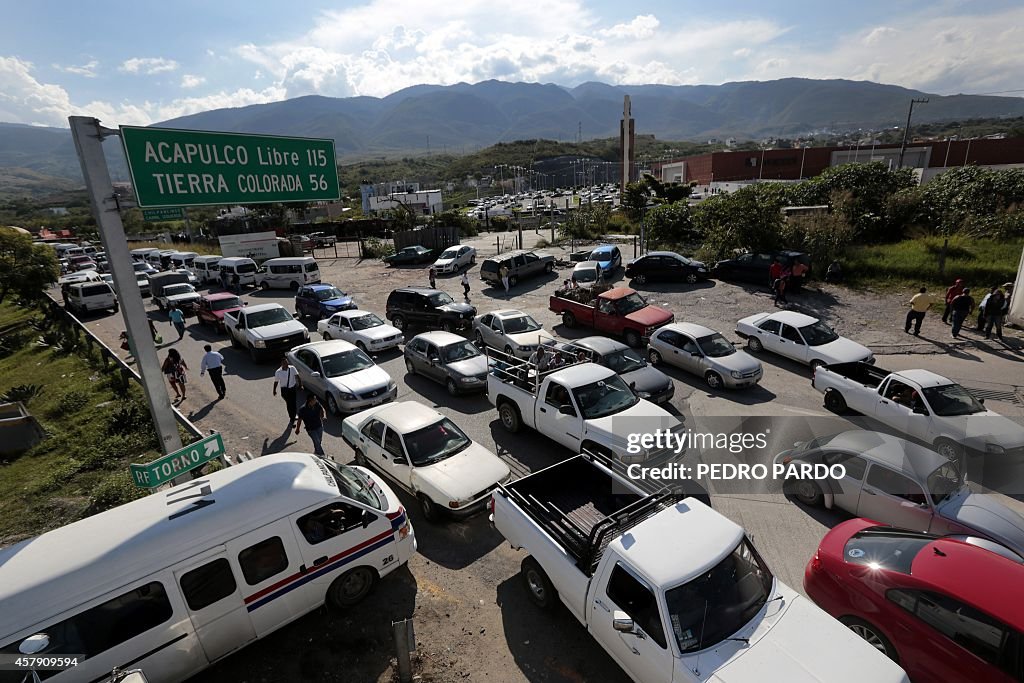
463 587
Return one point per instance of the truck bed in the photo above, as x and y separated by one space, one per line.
862 373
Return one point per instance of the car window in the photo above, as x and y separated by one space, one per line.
671 337
899 392
329 521
519 261
638 601
557 396
530 258
263 560
418 345
606 306
689 345
432 352
309 359
393 444
790 334
771 326
207 584
895 484
854 465
486 320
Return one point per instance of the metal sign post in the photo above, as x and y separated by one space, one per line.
88 135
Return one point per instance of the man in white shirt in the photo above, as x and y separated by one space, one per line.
287 377
213 362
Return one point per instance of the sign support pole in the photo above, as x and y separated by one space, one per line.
88 135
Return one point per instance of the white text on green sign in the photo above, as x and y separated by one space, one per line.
168 467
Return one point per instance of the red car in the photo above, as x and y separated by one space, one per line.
212 307
943 608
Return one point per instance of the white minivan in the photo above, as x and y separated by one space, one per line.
289 272
183 259
206 269
244 268
83 297
141 254
183 577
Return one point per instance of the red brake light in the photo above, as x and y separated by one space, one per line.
816 563
490 504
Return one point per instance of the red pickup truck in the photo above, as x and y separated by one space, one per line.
620 311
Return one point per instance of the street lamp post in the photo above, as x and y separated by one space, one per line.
906 131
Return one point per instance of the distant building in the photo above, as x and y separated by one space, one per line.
58 210
425 203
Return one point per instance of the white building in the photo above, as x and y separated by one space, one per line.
425 203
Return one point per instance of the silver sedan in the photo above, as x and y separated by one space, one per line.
705 353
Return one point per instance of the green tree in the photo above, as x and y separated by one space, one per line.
750 218
634 199
587 222
667 192
669 225
975 201
26 269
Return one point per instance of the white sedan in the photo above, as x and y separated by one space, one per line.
800 337
455 258
362 328
425 453
342 376
512 331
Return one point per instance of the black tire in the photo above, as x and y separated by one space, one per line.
362 347
549 267
640 279
234 342
510 419
806 491
448 325
713 380
332 405
478 339
399 322
254 355
350 588
410 367
568 319
264 286
538 586
294 286
453 389
834 401
429 508
360 458
873 636
632 338
755 345
509 351
654 357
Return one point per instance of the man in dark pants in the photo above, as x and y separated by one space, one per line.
961 307
952 293
311 414
213 362
288 378
919 304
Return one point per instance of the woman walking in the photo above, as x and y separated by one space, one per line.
174 368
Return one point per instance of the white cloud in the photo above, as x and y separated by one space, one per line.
192 81
87 70
148 65
642 26
880 34
742 53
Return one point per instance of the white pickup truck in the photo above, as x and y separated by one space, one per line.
671 589
264 329
583 406
924 406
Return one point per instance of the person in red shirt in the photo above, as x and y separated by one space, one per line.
774 273
953 292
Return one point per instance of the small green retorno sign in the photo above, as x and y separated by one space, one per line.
170 167
167 467
169 214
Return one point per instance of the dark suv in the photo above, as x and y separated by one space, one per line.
427 308
754 266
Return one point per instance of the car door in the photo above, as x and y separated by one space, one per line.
667 343
433 367
616 258
418 355
394 458
307 363
343 327
496 334
565 429
605 316
371 444
767 332
889 496
210 585
205 312
846 490
893 406
303 299
791 344
690 357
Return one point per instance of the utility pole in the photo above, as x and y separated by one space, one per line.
906 131
88 135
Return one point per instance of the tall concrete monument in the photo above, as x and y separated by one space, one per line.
627 141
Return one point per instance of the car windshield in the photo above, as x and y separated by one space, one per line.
523 323
818 333
716 346
449 253
246 268
440 299
345 363
686 261
601 255
630 304
434 443
271 316
950 400
224 304
365 322
329 293
604 397
172 290
623 361
945 482
585 274
719 602
459 351
355 485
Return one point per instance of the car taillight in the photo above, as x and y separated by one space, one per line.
403 531
490 504
816 563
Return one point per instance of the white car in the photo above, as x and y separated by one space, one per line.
192 279
455 258
512 331
362 328
342 375
800 337
425 453
587 273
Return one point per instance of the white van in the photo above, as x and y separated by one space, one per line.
64 248
83 297
183 259
289 272
244 268
141 254
206 269
179 579
154 259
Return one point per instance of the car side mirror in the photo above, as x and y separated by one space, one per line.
622 623
435 361
245 303
315 375
695 354
566 409
368 518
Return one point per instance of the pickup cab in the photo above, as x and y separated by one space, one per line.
922 405
264 329
181 295
581 406
620 311
670 588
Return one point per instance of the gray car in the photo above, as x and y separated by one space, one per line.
646 381
898 482
447 358
705 353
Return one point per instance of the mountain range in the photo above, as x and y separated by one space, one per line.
461 117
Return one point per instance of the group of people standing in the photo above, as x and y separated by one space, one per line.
782 277
959 305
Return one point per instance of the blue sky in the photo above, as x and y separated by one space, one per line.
161 60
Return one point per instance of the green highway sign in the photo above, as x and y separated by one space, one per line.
168 214
190 167
169 466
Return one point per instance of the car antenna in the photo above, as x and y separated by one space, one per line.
938 552
700 641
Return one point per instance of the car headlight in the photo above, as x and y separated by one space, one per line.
346 396
994 448
259 344
392 385
702 270
736 374
470 380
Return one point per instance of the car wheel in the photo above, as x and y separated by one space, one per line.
326 336
409 367
873 636
950 450
568 319
399 322
453 389
332 405
299 315
234 342
509 415
632 338
513 281
834 401
816 365
448 326
360 458
807 492
478 339
294 286
362 347
654 357
430 511
254 355
713 379
538 586
755 345
351 587
509 351
640 279
549 267
264 285
691 278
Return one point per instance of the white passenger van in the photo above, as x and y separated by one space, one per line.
244 267
155 259
289 272
83 297
183 259
65 247
174 581
141 254
206 269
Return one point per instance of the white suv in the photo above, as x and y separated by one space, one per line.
91 296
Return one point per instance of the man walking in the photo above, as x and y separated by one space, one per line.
981 308
465 285
774 273
961 307
919 305
177 319
995 309
504 276
432 276
287 377
224 279
311 414
952 293
213 362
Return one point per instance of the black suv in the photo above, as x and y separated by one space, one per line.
428 308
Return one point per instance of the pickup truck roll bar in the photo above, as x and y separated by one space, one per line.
524 374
